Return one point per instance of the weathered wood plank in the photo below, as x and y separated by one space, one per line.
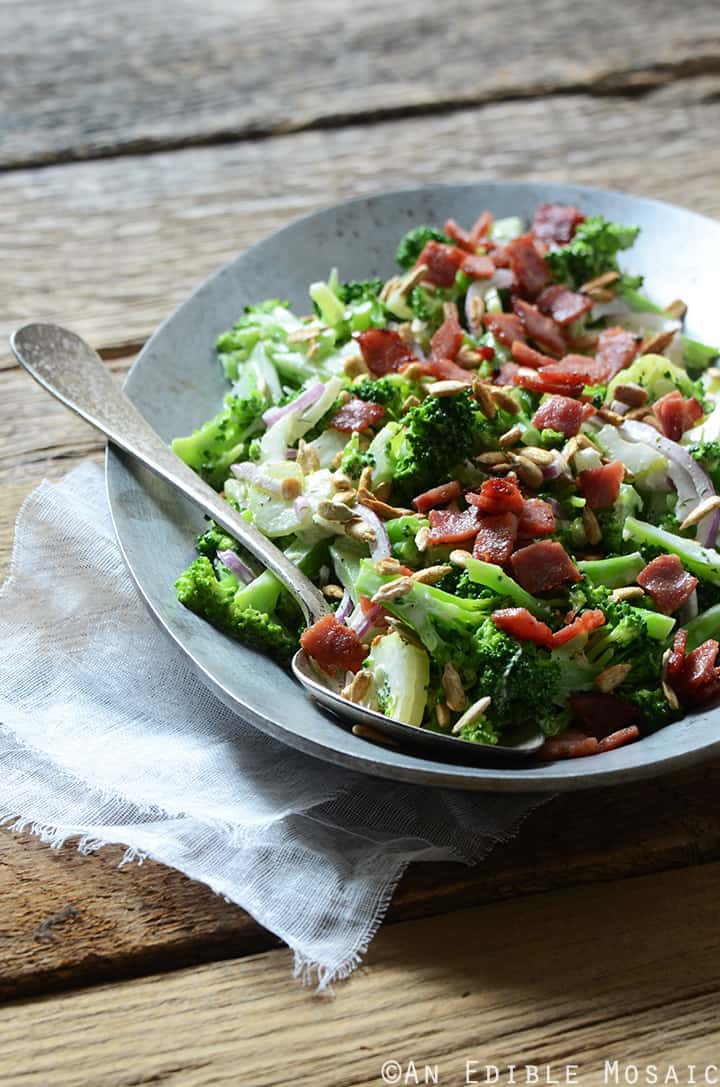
622 971
132 920
217 71
110 247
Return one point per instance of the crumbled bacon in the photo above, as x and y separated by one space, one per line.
481 227
695 678
497 496
537 518
442 262
383 351
448 339
460 236
677 653
536 383
452 528
667 582
616 348
540 328
506 373
335 647
437 496
555 224
582 624
676 414
576 369
543 567
528 356
601 486
478 266
506 327
496 537
602 713
358 415
570 744
562 414
618 738
530 271
564 305
521 624
447 370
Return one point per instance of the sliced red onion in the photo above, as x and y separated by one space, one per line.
274 415
380 549
291 454
236 566
300 506
364 623
552 471
344 607
253 473
691 482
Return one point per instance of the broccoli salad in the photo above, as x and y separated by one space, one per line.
500 467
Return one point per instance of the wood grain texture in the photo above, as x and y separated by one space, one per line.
171 73
624 971
111 247
131 920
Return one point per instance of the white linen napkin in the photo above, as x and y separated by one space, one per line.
107 736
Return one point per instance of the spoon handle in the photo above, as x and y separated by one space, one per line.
73 372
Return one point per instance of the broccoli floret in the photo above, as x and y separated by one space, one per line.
654 708
223 440
412 245
391 391
434 437
359 290
612 521
220 600
354 459
592 251
708 453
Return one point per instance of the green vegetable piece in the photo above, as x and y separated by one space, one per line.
413 243
494 578
592 251
613 572
702 561
221 441
402 677
697 355
703 626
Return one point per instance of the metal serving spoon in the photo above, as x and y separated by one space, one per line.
74 373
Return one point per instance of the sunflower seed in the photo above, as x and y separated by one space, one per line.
307 458
446 388
701 510
591 527
492 458
530 474
366 732
632 395
484 397
422 538
468 357
612 677
657 343
455 696
475 311
330 510
460 557
543 457
510 437
431 574
605 280
450 311
413 371
360 530
443 714
472 713
392 590
505 401
610 416
627 592
409 403
676 310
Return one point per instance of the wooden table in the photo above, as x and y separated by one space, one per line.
142 145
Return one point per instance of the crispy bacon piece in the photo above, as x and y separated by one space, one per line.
601 486
452 528
602 713
358 415
537 518
536 383
677 653
555 224
563 305
576 369
521 624
447 370
437 496
448 340
618 738
383 351
570 744
506 327
668 583
478 266
676 414
460 236
443 262
496 537
543 567
530 271
541 329
616 348
562 414
481 227
698 680
506 373
497 496
528 356
335 647
583 624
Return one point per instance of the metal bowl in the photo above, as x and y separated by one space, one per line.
177 383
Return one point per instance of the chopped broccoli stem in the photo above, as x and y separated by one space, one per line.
494 578
697 355
613 572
